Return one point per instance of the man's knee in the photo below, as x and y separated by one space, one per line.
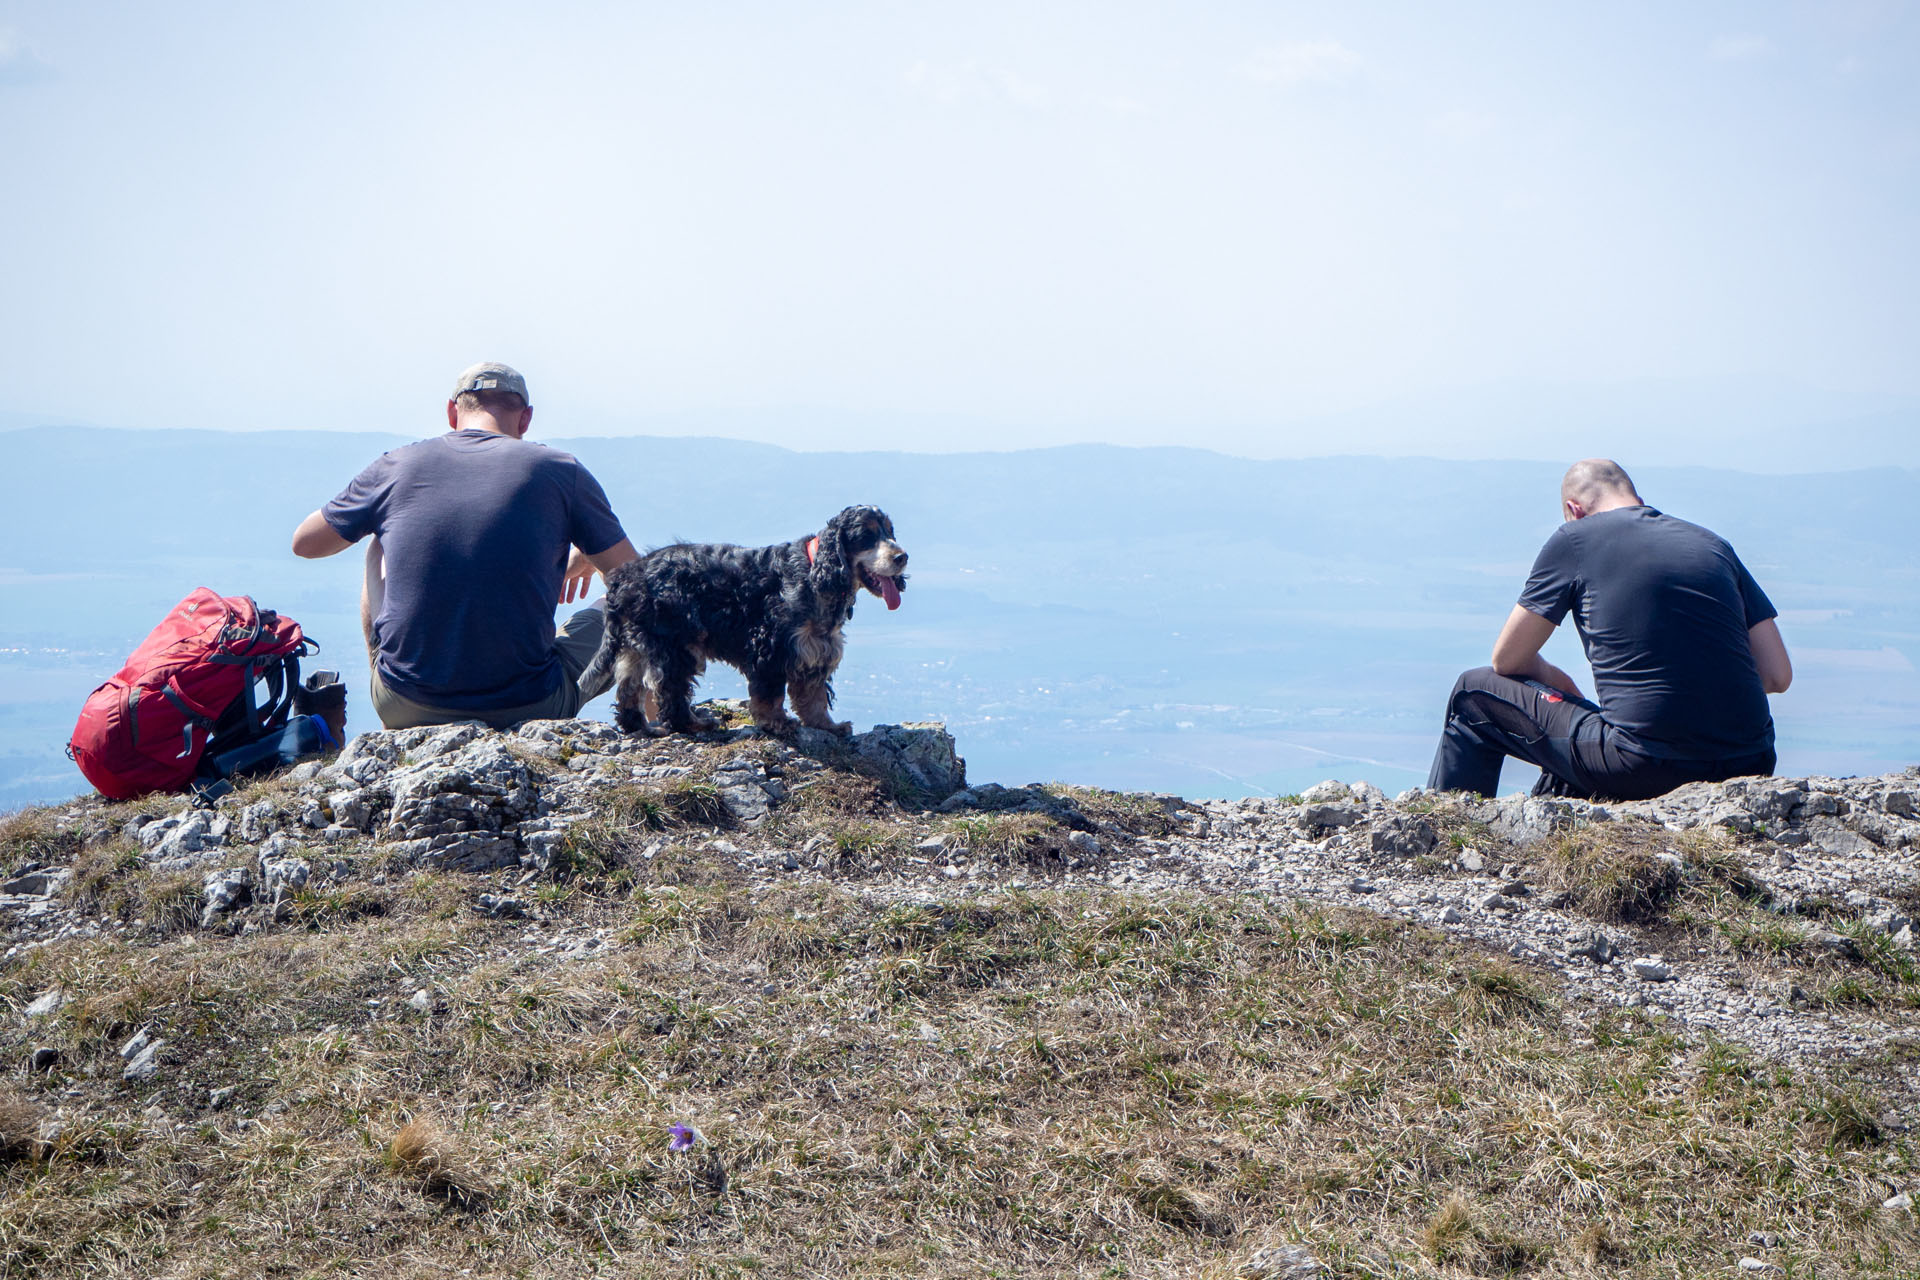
1471 681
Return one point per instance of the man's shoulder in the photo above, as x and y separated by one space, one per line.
535 454
1664 525
425 447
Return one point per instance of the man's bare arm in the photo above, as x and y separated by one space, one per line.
1516 654
1770 656
315 539
580 567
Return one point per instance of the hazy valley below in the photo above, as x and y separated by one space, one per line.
1155 619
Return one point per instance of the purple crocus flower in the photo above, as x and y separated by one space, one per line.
683 1138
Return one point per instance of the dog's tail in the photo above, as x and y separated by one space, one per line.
598 677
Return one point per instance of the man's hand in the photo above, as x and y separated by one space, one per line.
580 567
1552 675
1516 654
579 579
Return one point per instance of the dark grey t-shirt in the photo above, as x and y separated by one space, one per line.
476 529
1663 608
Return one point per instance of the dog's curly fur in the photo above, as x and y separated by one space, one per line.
774 613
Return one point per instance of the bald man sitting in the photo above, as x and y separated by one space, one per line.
1681 639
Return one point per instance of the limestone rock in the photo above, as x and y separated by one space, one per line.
38 884
924 754
1084 843
1651 969
1773 801
1328 816
1525 819
478 786
353 808
746 789
1832 837
226 890
500 907
1596 946
1283 1262
368 758
463 851
1405 836
258 821
142 1056
174 841
284 876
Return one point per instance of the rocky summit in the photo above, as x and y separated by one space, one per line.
862 882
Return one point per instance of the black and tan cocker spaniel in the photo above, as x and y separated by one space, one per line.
775 613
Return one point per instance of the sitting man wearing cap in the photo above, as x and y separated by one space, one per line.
472 531
1681 639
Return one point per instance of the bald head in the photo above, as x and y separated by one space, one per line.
1596 484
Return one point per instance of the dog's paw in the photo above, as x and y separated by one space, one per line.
839 728
632 720
779 726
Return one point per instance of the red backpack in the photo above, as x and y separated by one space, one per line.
191 682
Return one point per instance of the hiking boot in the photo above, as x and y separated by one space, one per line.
322 694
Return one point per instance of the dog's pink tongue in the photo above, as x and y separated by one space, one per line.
891 592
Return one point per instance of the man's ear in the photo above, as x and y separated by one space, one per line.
526 420
1574 510
453 416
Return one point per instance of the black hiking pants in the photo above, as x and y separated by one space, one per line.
1491 717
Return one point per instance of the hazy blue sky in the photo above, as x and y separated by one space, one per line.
972 225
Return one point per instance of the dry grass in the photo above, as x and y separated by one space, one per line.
35 835
1138 815
438 1163
23 1124
1691 892
1016 1084
1007 835
842 794
1615 871
629 820
112 881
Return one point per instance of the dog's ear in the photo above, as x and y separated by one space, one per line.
833 560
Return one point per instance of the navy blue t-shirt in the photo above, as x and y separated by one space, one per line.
1663 608
476 528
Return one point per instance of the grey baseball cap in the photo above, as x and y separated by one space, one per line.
490 375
